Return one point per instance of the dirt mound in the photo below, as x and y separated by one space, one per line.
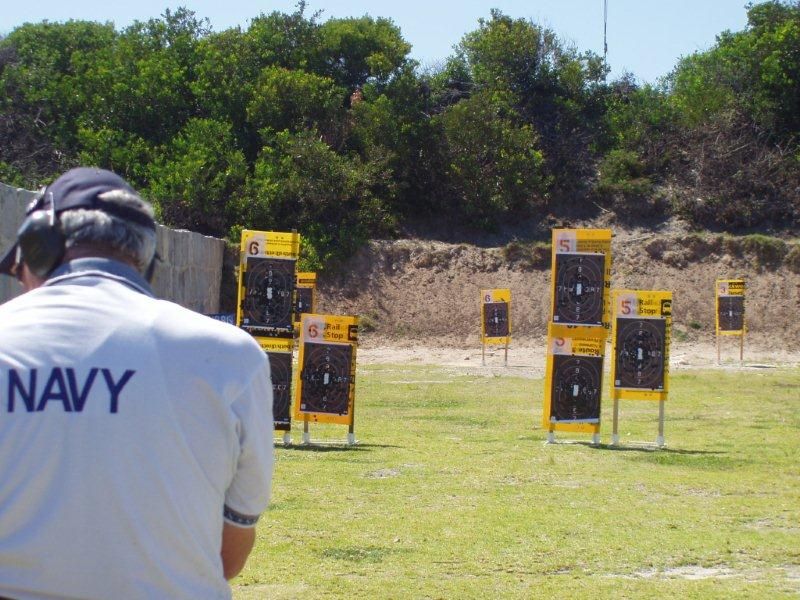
409 292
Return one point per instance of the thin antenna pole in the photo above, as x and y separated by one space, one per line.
605 32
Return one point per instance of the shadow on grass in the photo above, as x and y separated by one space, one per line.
333 447
650 449
697 459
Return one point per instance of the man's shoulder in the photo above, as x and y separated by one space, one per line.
191 322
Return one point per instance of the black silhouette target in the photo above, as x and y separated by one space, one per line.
304 298
495 319
325 378
280 364
579 289
730 310
269 287
640 353
576 388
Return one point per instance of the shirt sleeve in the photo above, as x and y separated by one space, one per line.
249 492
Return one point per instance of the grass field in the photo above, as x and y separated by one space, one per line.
452 493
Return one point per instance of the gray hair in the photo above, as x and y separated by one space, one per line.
95 227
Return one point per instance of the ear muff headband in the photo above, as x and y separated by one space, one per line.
41 240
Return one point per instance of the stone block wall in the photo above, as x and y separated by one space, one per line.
189 272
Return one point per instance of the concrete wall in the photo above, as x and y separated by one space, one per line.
189 273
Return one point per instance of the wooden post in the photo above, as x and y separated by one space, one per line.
615 427
506 357
718 361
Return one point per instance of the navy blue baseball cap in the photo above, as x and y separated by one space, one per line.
81 188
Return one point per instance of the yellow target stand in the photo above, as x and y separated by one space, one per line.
305 296
577 332
264 308
495 320
640 355
730 313
573 381
325 380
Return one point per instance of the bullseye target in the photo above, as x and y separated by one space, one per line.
579 289
730 313
639 346
576 389
280 364
325 378
268 295
495 319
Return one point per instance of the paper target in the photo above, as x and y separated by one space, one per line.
269 287
325 378
495 319
280 364
640 353
304 299
730 312
576 389
579 288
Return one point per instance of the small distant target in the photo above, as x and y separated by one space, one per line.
269 288
280 364
304 297
325 378
576 389
730 313
579 288
640 353
495 319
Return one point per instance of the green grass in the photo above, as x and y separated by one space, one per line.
452 493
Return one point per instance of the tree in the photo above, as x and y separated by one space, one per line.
197 182
552 86
354 52
495 167
300 183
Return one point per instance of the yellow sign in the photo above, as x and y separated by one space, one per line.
325 381
265 304
641 341
573 379
496 316
269 344
729 313
581 279
276 244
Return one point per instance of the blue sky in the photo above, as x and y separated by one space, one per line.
645 37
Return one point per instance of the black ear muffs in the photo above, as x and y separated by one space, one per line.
41 242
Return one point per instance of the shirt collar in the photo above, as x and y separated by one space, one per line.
102 267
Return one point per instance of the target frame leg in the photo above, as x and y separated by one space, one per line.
741 349
306 433
660 438
551 437
615 424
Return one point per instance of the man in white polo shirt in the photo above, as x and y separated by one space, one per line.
135 435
